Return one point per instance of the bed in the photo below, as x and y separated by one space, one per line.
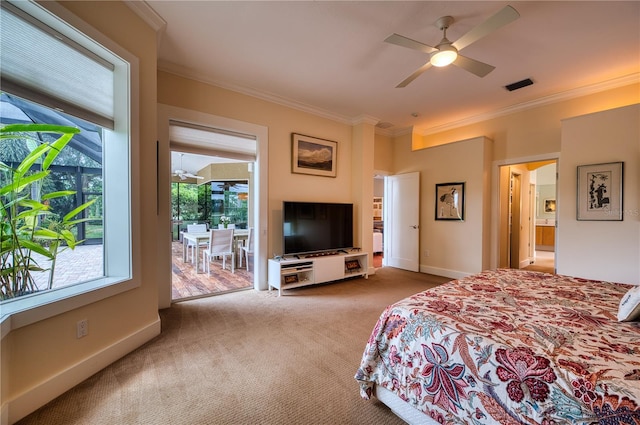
510 347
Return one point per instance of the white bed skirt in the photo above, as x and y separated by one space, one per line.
402 409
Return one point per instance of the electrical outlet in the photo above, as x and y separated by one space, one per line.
82 328
426 253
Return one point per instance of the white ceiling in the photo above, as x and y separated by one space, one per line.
192 163
330 58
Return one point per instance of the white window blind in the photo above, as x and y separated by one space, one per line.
196 138
42 65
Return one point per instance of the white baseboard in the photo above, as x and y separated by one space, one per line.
36 397
453 274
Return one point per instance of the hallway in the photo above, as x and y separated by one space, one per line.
544 262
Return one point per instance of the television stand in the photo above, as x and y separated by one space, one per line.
294 273
321 254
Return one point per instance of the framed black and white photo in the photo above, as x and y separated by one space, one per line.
600 192
311 155
450 201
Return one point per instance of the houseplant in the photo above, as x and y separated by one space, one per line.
23 207
224 220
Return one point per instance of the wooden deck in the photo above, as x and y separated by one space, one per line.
187 284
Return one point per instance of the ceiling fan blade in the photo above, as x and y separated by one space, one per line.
400 40
503 17
415 75
473 66
192 176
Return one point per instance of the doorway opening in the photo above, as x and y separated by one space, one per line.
528 215
378 221
211 189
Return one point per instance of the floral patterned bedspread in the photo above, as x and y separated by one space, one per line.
509 347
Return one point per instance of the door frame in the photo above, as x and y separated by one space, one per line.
515 218
495 198
166 113
531 251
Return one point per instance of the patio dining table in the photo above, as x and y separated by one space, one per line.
197 238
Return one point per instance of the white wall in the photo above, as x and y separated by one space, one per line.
546 189
604 250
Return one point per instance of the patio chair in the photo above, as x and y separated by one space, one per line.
220 245
247 249
191 246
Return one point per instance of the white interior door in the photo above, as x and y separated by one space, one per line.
401 228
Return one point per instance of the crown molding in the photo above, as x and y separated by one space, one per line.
181 71
144 11
149 16
173 68
365 119
555 98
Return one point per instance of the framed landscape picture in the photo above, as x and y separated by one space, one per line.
311 155
600 192
450 201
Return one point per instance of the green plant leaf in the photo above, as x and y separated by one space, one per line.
11 203
19 184
58 194
56 148
33 204
35 247
31 159
72 223
69 238
78 210
40 128
46 234
29 217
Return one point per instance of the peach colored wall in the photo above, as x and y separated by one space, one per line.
383 153
605 250
531 133
455 248
535 130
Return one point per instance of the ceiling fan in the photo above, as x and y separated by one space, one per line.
184 174
446 52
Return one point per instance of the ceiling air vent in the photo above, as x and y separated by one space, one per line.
519 84
384 125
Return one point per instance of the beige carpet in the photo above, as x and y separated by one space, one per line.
247 358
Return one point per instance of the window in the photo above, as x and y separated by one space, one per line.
49 65
230 199
207 203
76 170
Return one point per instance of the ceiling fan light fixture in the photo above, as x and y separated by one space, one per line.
446 55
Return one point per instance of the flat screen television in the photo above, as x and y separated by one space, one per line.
316 226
